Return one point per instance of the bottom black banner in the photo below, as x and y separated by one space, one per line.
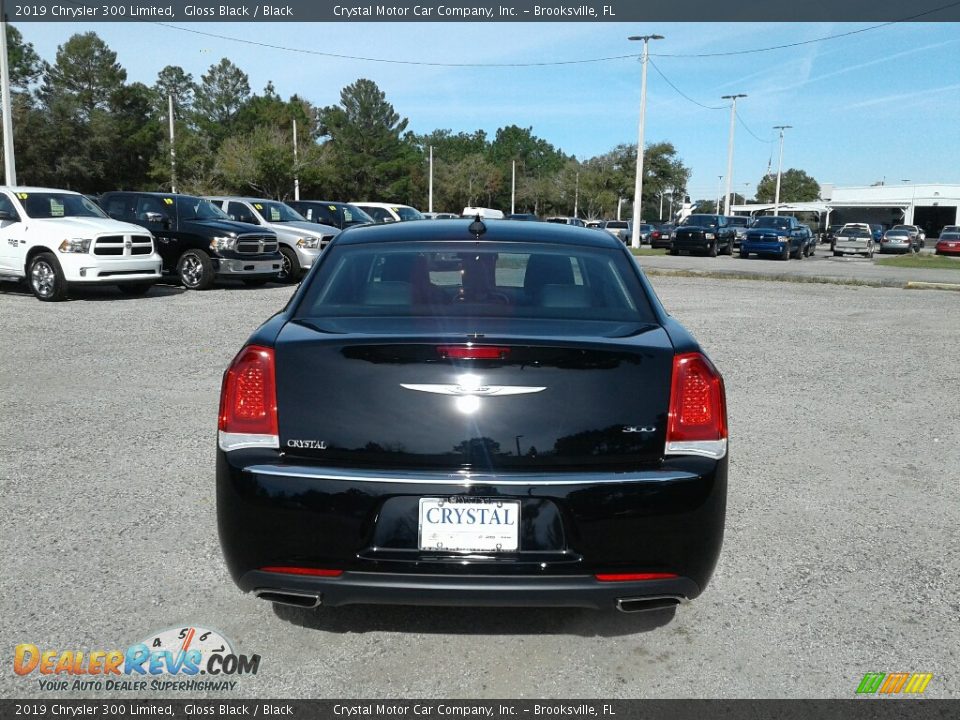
893 709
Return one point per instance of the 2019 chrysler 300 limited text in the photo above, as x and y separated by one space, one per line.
460 413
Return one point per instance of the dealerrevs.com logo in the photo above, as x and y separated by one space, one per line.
188 659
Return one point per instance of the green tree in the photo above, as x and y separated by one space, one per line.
795 186
85 75
25 65
222 92
367 156
260 162
174 81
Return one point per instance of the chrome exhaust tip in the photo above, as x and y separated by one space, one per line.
648 604
285 597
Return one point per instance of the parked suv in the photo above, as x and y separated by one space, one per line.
338 214
57 238
196 240
300 241
709 234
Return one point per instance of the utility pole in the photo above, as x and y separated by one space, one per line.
776 201
638 185
296 174
430 197
173 149
513 190
733 117
9 161
576 196
719 191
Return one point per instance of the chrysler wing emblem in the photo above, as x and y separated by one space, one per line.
480 390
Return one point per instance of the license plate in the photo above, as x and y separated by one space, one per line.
472 525
684 252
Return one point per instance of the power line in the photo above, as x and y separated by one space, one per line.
681 93
747 128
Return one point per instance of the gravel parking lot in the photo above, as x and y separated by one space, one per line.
841 553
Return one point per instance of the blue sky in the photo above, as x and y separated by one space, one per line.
879 104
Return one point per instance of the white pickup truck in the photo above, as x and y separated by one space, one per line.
57 238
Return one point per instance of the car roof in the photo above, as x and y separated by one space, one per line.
32 189
379 204
457 230
242 198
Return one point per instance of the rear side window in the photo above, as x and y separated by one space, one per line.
485 280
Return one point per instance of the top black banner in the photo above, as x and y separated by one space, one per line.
480 11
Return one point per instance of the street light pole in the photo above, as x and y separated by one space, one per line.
430 199
513 190
638 185
776 202
733 117
719 191
173 149
296 172
9 163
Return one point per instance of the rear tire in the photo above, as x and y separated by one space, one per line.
195 270
45 278
135 289
744 254
674 251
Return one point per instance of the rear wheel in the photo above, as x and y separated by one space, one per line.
744 254
674 251
135 289
195 270
290 269
46 278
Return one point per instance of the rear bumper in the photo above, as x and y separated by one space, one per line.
474 591
573 525
849 248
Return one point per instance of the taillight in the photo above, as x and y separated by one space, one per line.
248 401
472 352
633 577
697 424
294 570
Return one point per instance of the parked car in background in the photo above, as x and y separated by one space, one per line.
593 224
663 236
336 214
780 235
949 241
739 223
418 455
524 217
708 234
439 216
301 241
877 231
197 241
483 212
896 241
616 227
810 244
917 236
55 239
854 239
564 220
389 212
829 233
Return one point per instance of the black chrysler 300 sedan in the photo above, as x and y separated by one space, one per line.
454 413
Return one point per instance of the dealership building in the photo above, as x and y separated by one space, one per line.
930 206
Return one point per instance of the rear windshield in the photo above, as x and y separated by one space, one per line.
739 220
500 280
618 225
